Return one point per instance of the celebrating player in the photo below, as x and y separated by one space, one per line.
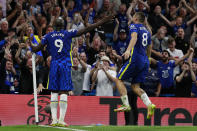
59 47
136 67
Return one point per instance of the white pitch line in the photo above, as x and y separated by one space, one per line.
88 126
63 128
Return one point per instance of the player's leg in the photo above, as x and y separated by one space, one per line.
124 73
63 109
65 82
53 86
123 95
140 77
144 97
53 105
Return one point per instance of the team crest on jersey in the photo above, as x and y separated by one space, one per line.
132 27
168 68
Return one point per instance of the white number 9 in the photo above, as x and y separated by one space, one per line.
59 44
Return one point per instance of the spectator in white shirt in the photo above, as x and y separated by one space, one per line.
104 77
174 53
86 81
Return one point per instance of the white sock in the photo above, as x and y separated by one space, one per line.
53 105
63 107
125 100
145 99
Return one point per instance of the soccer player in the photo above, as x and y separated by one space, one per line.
59 47
137 64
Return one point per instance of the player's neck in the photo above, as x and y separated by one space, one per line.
137 22
165 61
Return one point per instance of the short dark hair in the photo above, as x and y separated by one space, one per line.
102 50
167 52
11 61
186 62
59 23
170 40
49 26
141 17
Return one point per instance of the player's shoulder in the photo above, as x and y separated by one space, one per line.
68 32
48 34
133 26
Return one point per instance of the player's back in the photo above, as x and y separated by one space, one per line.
59 44
143 38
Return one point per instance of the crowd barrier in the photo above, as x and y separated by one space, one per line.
90 110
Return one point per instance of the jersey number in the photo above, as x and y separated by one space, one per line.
59 44
144 39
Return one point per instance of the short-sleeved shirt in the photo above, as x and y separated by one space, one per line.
143 38
165 73
136 67
175 27
59 44
121 46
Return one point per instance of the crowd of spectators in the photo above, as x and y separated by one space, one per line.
97 55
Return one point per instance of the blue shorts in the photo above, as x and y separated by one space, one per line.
134 70
60 76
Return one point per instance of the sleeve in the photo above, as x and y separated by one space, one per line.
37 38
133 28
41 76
71 33
22 64
44 40
158 63
78 5
172 63
2 43
113 73
184 25
181 54
153 38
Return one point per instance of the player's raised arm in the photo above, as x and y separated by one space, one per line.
91 27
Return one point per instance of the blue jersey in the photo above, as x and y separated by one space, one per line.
165 73
136 67
121 46
59 44
175 27
143 38
59 47
122 18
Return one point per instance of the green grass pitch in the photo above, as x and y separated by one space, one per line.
98 128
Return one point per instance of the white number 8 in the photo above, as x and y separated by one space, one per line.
144 39
59 44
